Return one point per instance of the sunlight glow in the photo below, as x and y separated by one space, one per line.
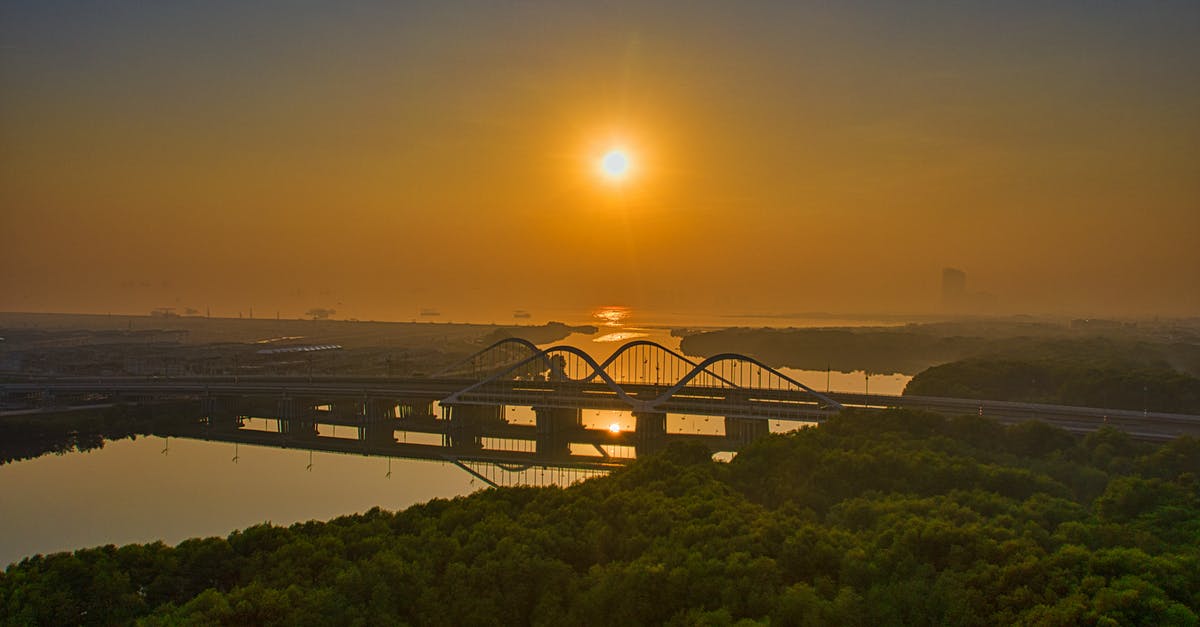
616 164
615 427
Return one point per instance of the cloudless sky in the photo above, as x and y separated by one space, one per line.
380 157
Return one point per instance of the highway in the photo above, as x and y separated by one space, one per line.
720 401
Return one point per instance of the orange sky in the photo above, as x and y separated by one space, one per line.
380 158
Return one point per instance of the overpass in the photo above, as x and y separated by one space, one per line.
465 402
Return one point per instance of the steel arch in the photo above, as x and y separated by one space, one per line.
698 370
516 342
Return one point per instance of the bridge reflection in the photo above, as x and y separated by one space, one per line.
493 469
498 448
466 414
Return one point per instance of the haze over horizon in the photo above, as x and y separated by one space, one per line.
379 158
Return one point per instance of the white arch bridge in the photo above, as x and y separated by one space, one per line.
466 407
641 376
462 413
644 378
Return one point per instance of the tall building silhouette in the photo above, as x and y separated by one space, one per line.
954 289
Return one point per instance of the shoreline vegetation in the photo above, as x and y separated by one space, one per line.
29 436
912 348
897 517
1123 367
1147 387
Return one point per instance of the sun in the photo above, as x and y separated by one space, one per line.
616 165
614 427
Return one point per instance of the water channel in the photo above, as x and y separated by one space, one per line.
170 489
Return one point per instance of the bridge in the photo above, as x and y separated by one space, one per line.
468 412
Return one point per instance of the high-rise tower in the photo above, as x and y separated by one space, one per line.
954 289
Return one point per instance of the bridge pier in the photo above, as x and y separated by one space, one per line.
373 410
288 408
223 412
554 428
299 428
650 432
378 433
344 410
466 424
376 419
742 431
415 407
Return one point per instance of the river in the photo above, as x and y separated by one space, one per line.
153 488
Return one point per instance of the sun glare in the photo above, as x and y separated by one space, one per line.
615 427
615 165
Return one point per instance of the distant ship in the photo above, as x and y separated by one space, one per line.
521 313
425 311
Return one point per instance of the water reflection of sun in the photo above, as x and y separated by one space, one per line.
620 336
612 421
611 316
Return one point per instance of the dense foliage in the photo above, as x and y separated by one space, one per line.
889 518
1063 381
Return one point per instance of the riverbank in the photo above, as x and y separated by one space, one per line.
894 518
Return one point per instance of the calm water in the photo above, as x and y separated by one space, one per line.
155 489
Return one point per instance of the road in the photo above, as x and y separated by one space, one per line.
1144 425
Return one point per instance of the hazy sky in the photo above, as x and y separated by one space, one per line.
380 157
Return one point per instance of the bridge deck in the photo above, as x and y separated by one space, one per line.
712 401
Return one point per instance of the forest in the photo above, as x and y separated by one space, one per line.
1090 372
1127 368
1081 382
892 518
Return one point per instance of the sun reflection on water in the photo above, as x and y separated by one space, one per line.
614 316
619 336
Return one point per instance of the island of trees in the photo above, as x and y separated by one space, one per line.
891 518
